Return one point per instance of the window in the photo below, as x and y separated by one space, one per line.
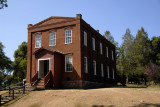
101 48
85 65
68 63
94 67
108 72
85 38
52 39
112 56
106 51
113 72
102 73
68 36
37 41
93 43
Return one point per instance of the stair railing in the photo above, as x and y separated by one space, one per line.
47 79
34 79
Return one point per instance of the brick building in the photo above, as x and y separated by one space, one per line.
67 52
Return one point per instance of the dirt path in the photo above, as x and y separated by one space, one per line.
105 97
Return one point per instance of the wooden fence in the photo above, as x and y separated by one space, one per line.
11 92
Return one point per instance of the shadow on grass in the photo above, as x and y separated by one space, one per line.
147 105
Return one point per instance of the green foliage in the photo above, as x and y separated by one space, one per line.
5 66
20 63
109 37
155 53
3 3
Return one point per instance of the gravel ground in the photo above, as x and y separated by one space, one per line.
103 97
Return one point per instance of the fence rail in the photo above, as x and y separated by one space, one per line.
12 92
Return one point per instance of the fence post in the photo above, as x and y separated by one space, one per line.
13 94
24 89
0 100
9 91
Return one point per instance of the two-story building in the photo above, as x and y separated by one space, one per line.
66 52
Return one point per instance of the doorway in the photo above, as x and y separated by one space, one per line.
43 67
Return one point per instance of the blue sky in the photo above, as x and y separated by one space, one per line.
113 15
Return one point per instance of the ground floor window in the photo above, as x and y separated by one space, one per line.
85 65
94 67
113 72
102 73
68 64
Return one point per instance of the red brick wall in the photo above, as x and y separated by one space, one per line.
87 51
73 48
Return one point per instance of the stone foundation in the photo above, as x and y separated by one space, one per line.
81 84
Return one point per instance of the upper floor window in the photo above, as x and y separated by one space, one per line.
68 36
106 51
52 39
102 73
112 56
85 65
108 72
85 38
37 41
93 43
113 72
94 67
101 52
68 63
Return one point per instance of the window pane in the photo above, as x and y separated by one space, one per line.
68 63
37 41
106 51
94 67
108 72
102 73
101 48
85 38
52 39
93 43
68 36
85 65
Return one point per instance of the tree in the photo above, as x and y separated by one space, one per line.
153 71
155 51
20 63
126 61
109 37
142 50
5 66
3 3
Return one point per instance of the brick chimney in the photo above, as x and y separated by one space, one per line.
97 31
78 16
30 25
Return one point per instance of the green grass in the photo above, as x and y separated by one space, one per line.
154 86
136 85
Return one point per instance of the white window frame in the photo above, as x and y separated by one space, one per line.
107 52
101 52
108 72
113 73
85 39
66 63
102 71
85 65
93 44
94 67
53 39
112 55
37 40
67 36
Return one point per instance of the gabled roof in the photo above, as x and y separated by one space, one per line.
50 50
52 20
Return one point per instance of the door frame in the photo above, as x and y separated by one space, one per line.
43 60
